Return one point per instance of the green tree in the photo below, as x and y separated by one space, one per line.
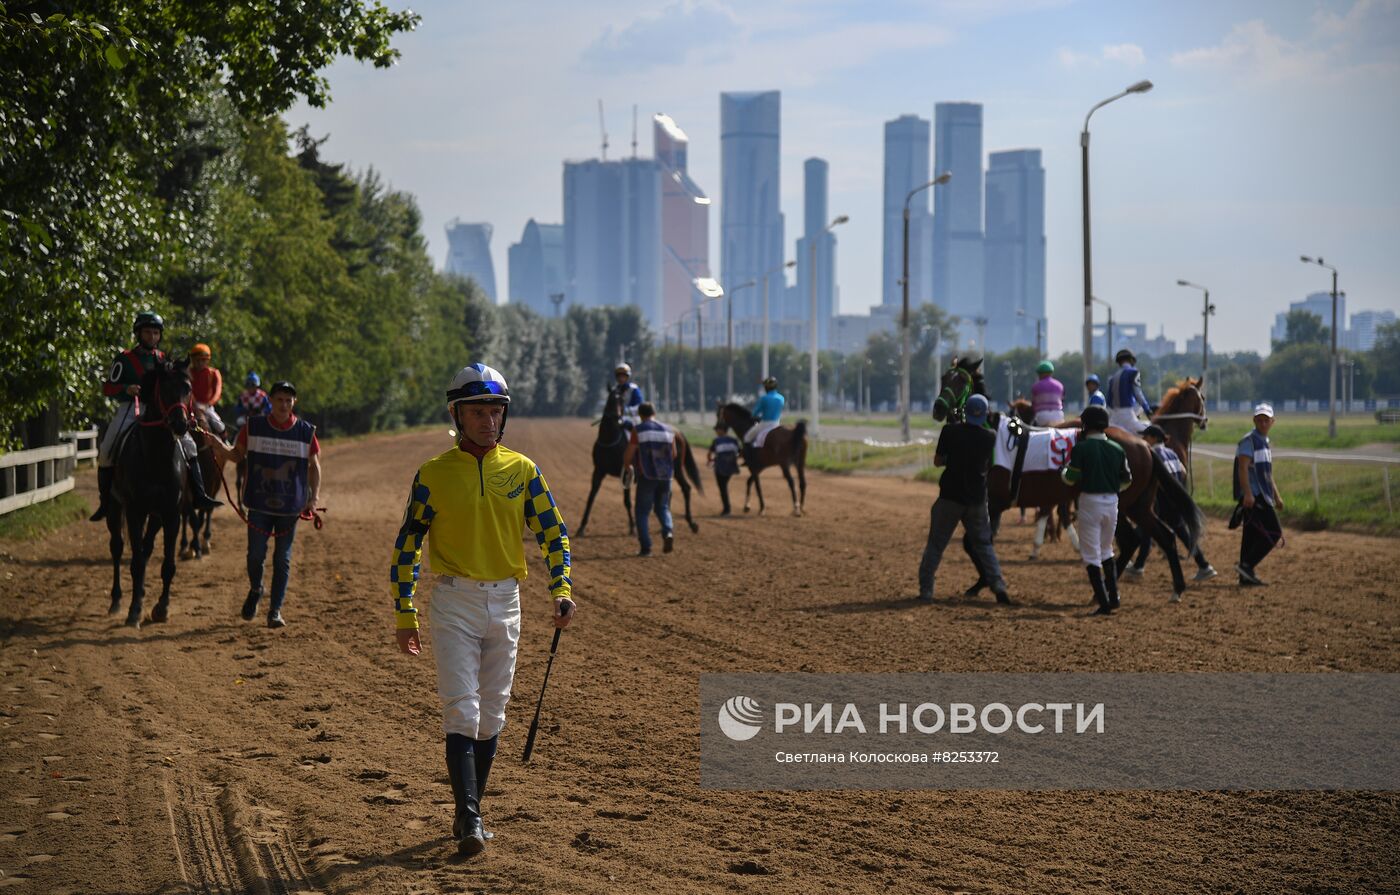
1384 358
1303 328
1295 371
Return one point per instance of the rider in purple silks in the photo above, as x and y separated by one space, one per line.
1048 396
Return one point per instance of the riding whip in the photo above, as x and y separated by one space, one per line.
535 724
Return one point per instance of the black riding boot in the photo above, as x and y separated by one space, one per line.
202 500
1100 594
461 770
485 752
1110 583
105 474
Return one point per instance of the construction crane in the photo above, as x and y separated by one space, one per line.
603 126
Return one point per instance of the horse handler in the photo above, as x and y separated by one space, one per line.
470 502
965 448
282 485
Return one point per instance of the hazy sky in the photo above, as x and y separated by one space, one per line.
1273 130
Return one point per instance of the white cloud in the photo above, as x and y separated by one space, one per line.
1117 54
666 38
1128 54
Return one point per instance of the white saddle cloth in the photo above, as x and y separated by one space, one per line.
1048 450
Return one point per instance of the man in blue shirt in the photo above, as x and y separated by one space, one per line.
653 447
1258 496
1125 394
629 396
767 413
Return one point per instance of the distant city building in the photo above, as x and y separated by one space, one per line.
851 332
815 223
906 168
537 268
1319 304
1361 336
1132 336
1161 346
469 254
751 222
1014 278
685 220
612 235
1194 345
958 266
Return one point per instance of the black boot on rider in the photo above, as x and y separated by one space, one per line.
461 770
1110 583
485 752
202 500
1100 594
105 475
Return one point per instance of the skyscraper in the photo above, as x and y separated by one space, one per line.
906 167
814 215
685 220
1015 249
612 234
957 213
537 267
469 254
751 226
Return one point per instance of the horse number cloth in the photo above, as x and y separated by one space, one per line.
1047 451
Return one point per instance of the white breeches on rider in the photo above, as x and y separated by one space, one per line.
1098 518
1126 418
124 420
475 627
758 432
1049 417
212 421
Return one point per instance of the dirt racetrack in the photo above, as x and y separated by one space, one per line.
213 755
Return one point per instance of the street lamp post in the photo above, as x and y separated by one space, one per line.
815 388
1088 335
904 321
1332 366
729 326
784 266
710 290
1206 311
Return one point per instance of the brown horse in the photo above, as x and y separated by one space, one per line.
783 447
195 524
608 450
1045 519
1181 413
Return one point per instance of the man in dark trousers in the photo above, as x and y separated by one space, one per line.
965 450
724 457
653 447
1157 440
1259 500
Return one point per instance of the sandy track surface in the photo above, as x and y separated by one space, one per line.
213 755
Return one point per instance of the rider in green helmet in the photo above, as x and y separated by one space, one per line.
1047 396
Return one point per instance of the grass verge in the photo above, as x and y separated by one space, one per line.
28 523
1303 432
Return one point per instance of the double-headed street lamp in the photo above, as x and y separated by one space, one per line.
729 326
1332 366
784 266
812 275
1021 312
904 321
1207 310
1139 87
710 290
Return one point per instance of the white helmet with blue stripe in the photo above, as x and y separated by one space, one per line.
478 384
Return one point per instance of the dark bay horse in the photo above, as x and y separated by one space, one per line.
195 524
783 447
149 485
608 450
1045 518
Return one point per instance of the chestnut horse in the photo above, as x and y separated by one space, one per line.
1181 413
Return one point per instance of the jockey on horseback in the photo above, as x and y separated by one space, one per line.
124 384
208 385
1125 394
1048 396
629 396
767 413
965 379
253 401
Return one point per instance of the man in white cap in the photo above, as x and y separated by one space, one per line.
1257 496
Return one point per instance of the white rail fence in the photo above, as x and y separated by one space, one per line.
39 474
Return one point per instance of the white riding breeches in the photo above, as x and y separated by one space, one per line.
1126 418
1098 518
124 420
475 627
212 420
758 433
1049 417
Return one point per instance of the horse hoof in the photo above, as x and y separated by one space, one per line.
160 614
133 621
746 509
115 607
694 528
187 554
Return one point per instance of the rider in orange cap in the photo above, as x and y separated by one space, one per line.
208 385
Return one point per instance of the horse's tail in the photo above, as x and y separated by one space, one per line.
799 444
1178 500
691 470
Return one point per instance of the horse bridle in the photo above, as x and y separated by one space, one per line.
165 411
1200 418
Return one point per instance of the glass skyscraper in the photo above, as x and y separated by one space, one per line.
751 224
612 235
815 220
907 167
1015 249
469 254
537 267
957 215
685 220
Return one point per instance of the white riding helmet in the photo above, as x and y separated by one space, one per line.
623 368
478 384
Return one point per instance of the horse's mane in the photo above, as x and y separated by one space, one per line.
740 408
1175 392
